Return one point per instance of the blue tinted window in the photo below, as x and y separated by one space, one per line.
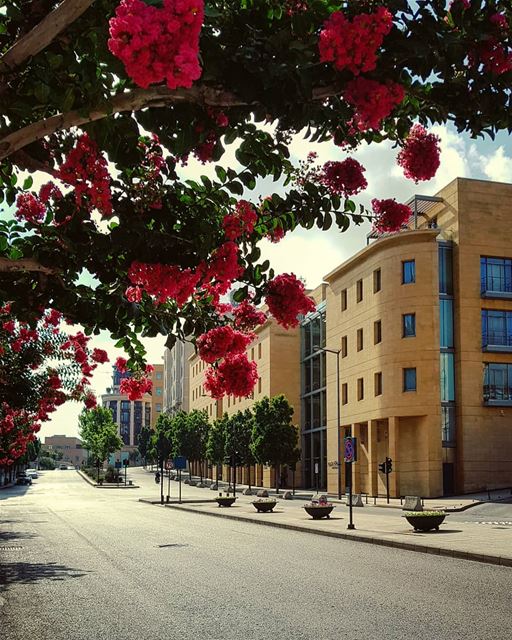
445 270
496 274
446 323
447 378
410 379
408 271
409 325
496 328
498 381
448 426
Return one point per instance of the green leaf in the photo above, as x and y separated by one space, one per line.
235 187
28 182
221 174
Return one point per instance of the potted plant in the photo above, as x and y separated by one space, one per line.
264 505
319 508
425 520
225 501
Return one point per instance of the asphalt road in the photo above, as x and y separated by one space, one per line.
78 563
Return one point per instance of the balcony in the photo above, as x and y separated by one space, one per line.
497 342
497 396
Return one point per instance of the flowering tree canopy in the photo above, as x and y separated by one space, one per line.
108 99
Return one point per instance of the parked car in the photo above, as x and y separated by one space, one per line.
32 473
23 478
63 467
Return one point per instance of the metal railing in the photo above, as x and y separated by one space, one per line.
497 338
499 284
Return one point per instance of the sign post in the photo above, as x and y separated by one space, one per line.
180 462
350 455
168 467
126 462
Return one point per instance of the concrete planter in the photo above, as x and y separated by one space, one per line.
264 506
425 521
318 511
225 501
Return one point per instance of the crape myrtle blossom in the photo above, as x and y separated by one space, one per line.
235 375
372 101
221 342
286 299
419 157
391 215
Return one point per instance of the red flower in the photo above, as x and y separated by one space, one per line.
235 376
90 400
134 387
222 341
286 299
372 101
99 355
247 317
121 365
29 208
391 215
343 178
419 156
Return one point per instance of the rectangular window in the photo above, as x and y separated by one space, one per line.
344 300
252 353
158 406
359 339
410 379
408 271
446 323
377 332
496 329
344 347
498 383
360 388
448 426
376 281
378 383
445 269
259 350
359 290
344 393
259 385
496 275
447 378
408 325
158 375
159 391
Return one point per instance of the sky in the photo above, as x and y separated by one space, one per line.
311 254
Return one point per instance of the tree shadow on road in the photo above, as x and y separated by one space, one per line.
8 536
29 572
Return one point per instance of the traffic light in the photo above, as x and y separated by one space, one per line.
382 467
389 465
157 477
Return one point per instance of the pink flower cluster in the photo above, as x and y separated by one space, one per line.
30 208
286 299
86 169
135 387
247 317
236 375
240 223
121 364
221 342
162 281
353 44
391 215
420 155
372 101
343 178
158 44
99 355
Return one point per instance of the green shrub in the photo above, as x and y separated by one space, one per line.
47 463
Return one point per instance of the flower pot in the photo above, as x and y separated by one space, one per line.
318 511
425 522
225 501
264 506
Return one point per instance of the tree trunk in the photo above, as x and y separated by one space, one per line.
278 477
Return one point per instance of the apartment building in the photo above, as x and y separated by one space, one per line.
176 377
422 320
69 446
277 354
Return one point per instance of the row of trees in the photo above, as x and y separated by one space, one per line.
262 435
98 433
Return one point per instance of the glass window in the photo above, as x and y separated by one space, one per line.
359 339
344 345
378 383
377 332
316 410
445 269
447 378
158 406
448 426
408 325
306 339
496 274
498 381
159 391
307 375
344 393
359 290
408 271
410 379
307 412
496 328
344 300
360 388
158 375
316 371
446 323
376 281
316 332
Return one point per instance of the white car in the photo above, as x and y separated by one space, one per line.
32 473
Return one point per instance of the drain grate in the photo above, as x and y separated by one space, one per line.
11 548
501 523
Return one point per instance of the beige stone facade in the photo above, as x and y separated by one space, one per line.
69 446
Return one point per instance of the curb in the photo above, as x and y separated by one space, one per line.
174 502
98 486
451 553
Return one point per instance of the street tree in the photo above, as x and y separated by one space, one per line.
144 443
238 439
198 428
161 443
274 437
98 433
216 443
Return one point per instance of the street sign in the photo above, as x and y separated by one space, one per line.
118 464
180 462
350 449
169 465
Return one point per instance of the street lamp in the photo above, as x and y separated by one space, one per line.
316 348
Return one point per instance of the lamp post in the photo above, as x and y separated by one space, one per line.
338 408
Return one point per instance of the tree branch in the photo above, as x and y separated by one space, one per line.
27 264
135 100
25 162
43 33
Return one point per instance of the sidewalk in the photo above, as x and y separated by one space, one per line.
466 540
